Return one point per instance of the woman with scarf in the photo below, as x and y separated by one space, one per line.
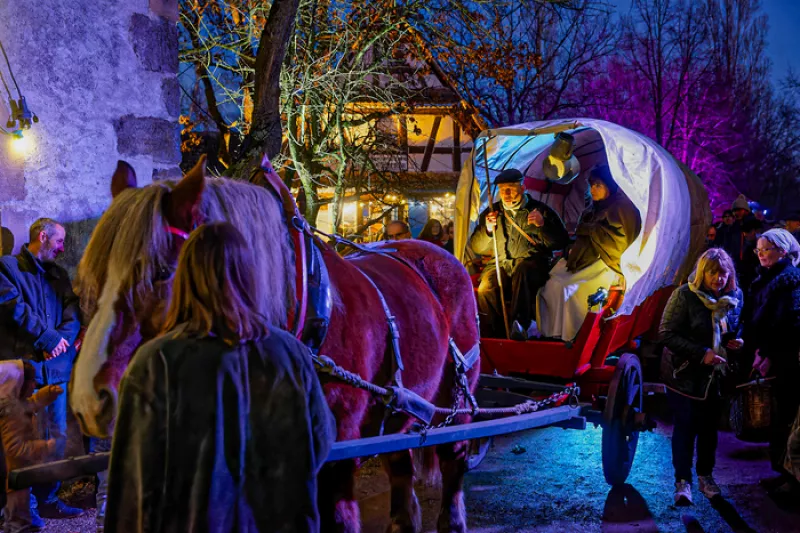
772 331
700 322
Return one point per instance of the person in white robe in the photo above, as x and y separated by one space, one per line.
605 230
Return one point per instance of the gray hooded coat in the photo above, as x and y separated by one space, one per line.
218 438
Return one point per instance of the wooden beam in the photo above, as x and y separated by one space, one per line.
560 416
456 146
475 430
403 139
437 150
426 160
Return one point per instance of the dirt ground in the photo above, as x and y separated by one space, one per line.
554 483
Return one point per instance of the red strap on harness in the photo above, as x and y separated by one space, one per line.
179 232
297 317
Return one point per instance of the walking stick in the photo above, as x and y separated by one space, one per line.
494 238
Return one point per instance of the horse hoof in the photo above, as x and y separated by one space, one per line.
397 527
448 523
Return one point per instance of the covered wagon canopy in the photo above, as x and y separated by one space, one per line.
671 199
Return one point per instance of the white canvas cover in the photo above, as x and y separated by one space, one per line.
671 200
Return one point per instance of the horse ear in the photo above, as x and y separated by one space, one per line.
187 192
124 178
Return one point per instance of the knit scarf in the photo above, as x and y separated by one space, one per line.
719 308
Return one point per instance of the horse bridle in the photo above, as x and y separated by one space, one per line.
298 230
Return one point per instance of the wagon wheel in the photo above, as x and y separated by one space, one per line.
478 448
621 416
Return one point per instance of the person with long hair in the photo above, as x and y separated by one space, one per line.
699 325
222 422
772 331
432 232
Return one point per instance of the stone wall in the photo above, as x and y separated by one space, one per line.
101 76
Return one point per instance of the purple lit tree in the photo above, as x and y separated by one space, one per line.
694 77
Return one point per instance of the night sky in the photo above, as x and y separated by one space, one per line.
784 37
783 46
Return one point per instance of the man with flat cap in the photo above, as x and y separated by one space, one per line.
527 233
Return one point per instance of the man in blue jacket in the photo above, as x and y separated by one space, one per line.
39 322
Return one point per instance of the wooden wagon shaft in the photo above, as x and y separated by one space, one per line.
564 416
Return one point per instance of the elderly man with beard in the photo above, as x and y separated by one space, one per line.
39 322
527 233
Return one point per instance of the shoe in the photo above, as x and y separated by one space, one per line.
37 523
708 486
683 493
59 509
518 333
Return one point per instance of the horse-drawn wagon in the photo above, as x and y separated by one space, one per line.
674 209
412 292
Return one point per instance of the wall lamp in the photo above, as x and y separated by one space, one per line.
21 117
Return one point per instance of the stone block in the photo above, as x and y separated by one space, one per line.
155 43
165 8
172 173
78 234
155 137
15 225
12 183
171 94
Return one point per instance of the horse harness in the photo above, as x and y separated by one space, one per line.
311 318
402 399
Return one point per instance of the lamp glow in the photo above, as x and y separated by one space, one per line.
21 144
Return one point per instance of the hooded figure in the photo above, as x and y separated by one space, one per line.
606 229
732 239
740 203
21 443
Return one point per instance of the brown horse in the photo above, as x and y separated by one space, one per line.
124 282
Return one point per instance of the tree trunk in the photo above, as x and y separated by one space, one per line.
265 132
339 194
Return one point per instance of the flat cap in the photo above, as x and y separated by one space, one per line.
509 175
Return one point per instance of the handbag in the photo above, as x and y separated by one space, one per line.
751 409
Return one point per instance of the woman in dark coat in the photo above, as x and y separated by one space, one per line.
700 322
603 234
772 330
222 423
